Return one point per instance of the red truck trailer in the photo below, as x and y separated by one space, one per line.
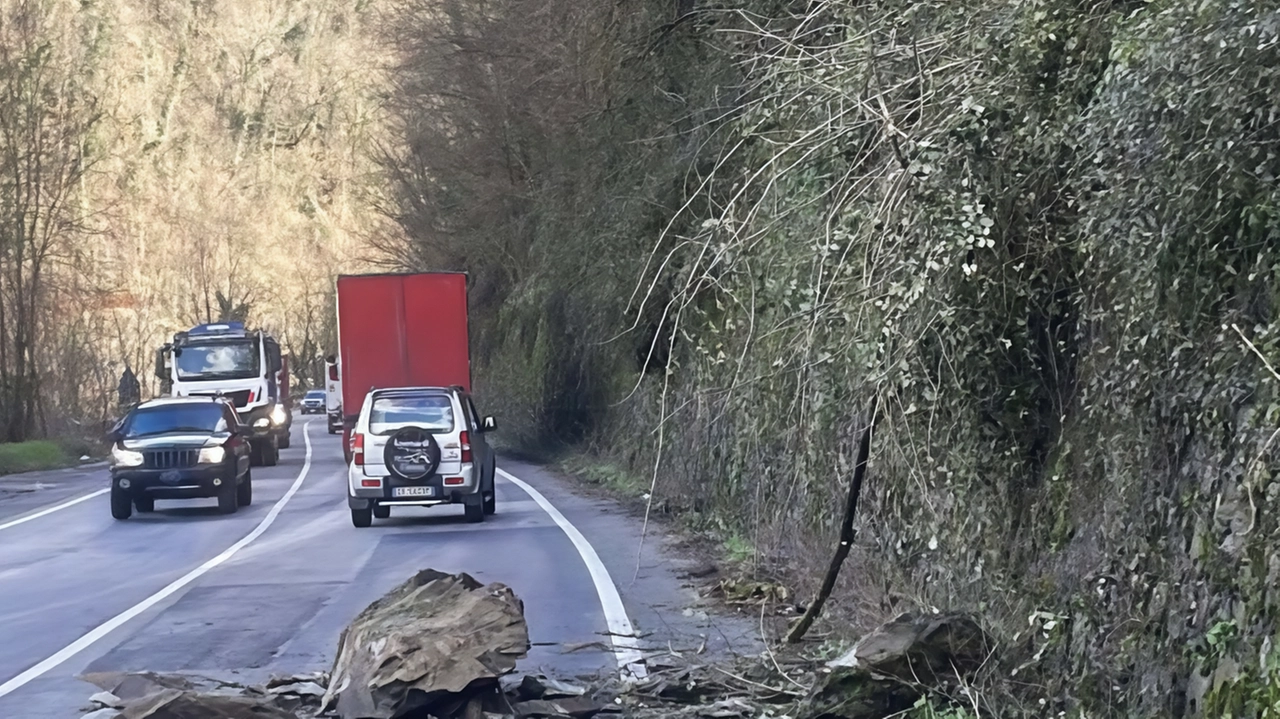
400 330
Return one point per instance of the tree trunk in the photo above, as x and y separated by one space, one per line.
847 534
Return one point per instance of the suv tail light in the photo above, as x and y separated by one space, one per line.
333 372
465 440
357 449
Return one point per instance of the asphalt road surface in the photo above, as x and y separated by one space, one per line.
269 589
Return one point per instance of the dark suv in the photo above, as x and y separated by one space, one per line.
179 448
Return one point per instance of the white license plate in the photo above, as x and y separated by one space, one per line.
413 491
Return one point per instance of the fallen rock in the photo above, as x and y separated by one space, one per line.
575 707
107 699
892 667
276 680
178 704
855 693
922 648
541 687
135 685
427 647
726 709
309 689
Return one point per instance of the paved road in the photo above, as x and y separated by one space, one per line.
81 592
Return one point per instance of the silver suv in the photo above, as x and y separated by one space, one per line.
419 447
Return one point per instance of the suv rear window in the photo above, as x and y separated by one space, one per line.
430 411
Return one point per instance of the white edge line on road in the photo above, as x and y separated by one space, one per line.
117 621
56 507
626 646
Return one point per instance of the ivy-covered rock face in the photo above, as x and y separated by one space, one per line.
1045 234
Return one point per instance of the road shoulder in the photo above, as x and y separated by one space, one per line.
656 577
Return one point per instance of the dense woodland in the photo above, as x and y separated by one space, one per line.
168 163
1036 242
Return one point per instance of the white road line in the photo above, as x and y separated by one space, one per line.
626 645
56 507
117 621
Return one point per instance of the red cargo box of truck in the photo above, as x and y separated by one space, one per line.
400 330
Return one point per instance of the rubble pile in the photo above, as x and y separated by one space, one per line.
443 646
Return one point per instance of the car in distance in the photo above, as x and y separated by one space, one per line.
179 448
419 447
313 402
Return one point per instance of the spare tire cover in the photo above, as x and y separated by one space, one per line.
412 453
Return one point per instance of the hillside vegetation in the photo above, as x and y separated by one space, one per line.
1041 236
165 163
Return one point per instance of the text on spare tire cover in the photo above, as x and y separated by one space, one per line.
412 453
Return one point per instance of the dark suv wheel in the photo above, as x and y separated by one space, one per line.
244 492
121 504
228 501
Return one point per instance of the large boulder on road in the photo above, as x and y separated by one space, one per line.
431 642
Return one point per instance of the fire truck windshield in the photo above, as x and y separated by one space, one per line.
227 359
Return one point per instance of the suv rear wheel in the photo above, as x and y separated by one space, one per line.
362 518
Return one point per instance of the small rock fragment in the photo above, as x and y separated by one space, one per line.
107 699
541 687
176 704
555 689
104 713
276 680
576 707
702 570
726 709
134 685
309 689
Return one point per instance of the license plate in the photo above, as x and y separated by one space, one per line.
413 491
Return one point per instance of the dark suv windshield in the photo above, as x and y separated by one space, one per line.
203 417
221 360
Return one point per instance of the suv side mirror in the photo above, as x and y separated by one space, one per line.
489 424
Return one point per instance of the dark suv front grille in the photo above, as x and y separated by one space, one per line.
171 458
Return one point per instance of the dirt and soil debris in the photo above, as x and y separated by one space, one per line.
444 646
